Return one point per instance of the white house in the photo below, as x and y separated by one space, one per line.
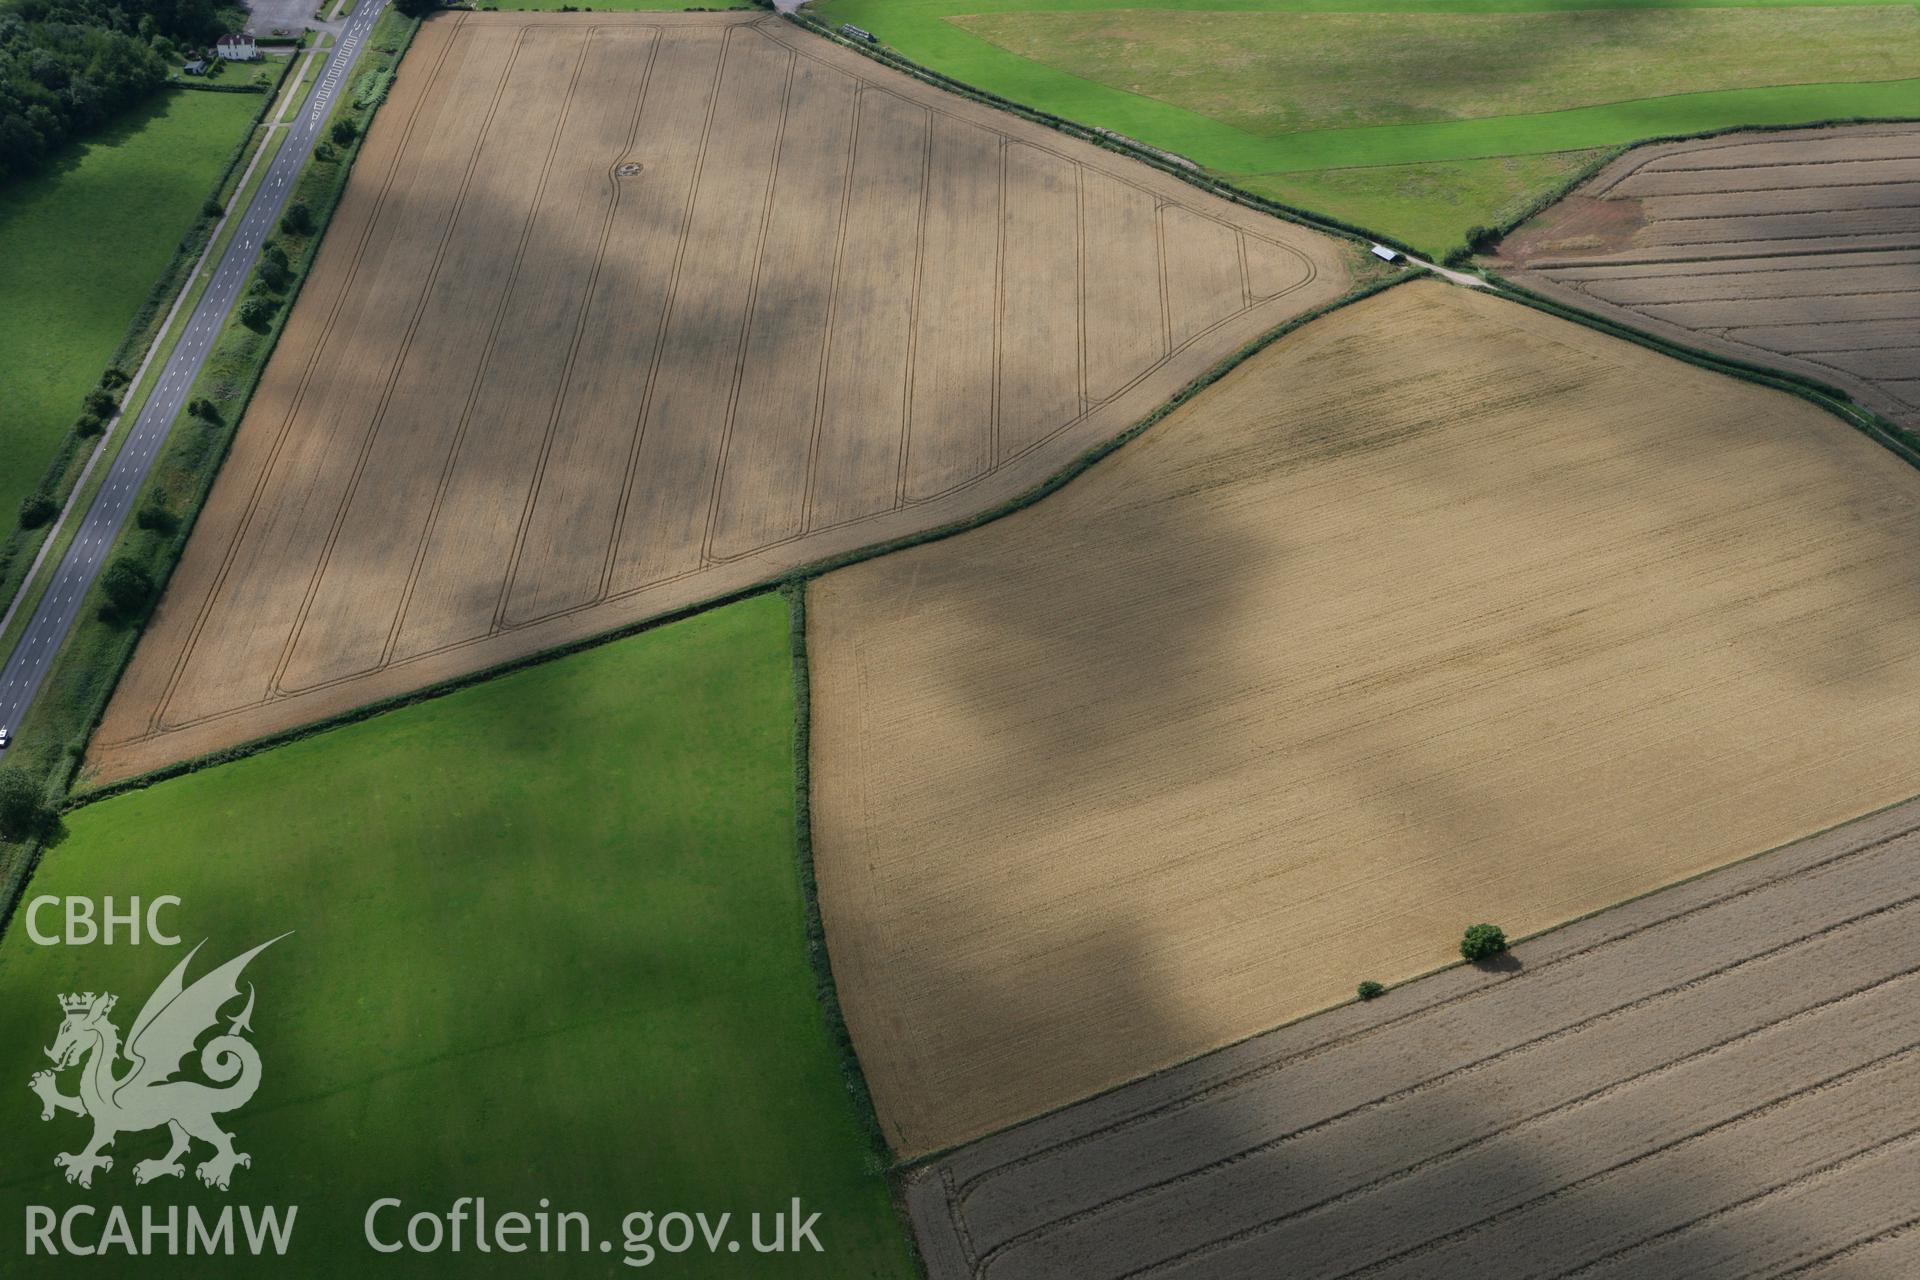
237 46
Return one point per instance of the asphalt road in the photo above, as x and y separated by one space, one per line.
27 666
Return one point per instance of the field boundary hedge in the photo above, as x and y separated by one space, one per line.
1105 139
80 715
1901 442
1560 191
826 990
199 87
63 473
1201 178
773 582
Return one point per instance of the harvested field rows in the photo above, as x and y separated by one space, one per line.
626 313
1798 249
1439 610
1713 1082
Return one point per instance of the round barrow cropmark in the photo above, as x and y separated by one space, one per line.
626 170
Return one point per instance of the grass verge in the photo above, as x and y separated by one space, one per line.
52 739
263 146
82 241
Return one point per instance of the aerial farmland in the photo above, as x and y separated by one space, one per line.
763 302
961 639
1799 250
1705 1083
1421 119
1431 612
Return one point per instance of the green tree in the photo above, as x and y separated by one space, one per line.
345 131
1483 941
155 517
298 219
256 313
89 425
127 586
23 805
275 268
37 510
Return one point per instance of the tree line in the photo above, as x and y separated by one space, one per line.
69 68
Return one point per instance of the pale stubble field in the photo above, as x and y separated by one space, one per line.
624 313
1439 610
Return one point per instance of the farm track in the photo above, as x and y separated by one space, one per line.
625 313
1798 249
1437 610
1710 1082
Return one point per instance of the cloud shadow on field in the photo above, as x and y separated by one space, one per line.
1433 1132
1066 656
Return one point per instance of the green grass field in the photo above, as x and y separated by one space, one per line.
549 942
81 244
1416 118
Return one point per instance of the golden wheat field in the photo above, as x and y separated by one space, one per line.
1437 611
623 313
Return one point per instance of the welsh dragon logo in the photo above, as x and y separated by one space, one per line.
147 1095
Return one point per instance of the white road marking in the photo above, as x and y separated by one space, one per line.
74 574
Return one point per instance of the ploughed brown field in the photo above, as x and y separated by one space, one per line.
626 312
1437 611
1715 1082
1798 249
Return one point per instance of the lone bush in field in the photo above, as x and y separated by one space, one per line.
37 510
128 588
23 809
344 131
256 313
1371 990
1483 941
298 219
